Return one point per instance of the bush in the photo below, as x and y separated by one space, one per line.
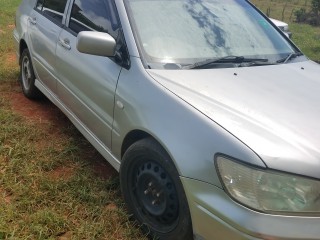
316 5
301 15
315 19
312 17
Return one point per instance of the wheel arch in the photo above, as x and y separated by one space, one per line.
137 135
132 137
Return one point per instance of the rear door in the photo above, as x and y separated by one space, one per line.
87 83
45 24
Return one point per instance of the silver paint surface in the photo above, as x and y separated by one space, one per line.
272 109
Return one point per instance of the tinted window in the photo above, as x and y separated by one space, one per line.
97 15
53 8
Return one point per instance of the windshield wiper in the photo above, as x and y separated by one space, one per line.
289 57
227 59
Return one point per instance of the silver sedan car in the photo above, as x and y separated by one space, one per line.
207 110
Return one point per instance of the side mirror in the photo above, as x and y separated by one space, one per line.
96 43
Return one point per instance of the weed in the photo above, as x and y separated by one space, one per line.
50 192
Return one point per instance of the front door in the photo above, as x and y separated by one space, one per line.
87 83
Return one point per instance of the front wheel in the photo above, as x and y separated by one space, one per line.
27 77
153 192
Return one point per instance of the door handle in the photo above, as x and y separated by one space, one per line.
33 20
65 43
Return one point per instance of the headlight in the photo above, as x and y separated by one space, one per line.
269 191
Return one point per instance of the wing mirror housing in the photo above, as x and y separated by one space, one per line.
96 43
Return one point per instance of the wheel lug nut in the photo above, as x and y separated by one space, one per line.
154 202
150 184
146 191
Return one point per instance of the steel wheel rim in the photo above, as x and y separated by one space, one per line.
26 72
156 195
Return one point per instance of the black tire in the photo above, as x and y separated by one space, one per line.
27 77
153 192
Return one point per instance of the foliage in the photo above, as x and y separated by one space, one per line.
301 15
312 16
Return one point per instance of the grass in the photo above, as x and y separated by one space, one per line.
49 188
36 202
306 37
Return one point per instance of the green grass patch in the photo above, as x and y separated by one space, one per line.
8 66
308 39
38 203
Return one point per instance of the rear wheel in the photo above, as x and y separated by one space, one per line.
27 77
154 193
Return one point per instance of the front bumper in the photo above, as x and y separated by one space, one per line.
216 216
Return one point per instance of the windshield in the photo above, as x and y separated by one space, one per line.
184 32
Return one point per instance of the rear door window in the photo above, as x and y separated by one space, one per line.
53 9
98 15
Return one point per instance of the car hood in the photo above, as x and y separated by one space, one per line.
274 109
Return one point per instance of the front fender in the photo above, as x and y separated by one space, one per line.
190 138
